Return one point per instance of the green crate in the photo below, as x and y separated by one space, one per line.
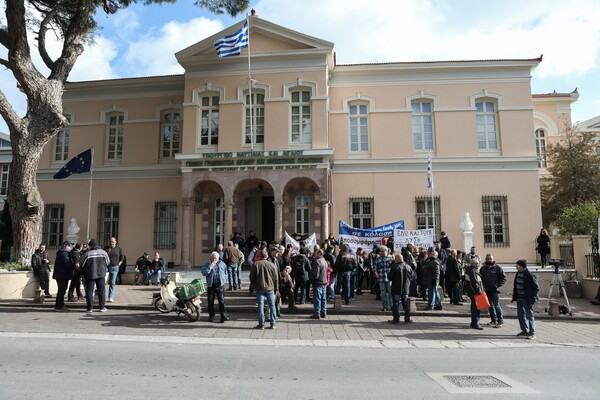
191 290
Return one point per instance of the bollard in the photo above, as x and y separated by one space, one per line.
337 302
553 308
412 303
38 297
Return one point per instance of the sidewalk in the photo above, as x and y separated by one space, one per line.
129 297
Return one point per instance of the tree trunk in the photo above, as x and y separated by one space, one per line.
25 204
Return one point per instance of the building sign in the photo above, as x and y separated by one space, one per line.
256 160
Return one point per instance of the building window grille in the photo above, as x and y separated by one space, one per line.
361 212
426 215
108 222
165 224
495 221
52 229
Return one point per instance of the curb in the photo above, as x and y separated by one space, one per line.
244 309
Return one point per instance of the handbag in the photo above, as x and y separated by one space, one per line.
481 301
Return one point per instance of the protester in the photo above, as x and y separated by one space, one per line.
216 277
526 289
400 275
41 268
474 285
94 265
264 277
493 278
63 273
318 277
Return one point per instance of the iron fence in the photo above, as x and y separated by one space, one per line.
566 253
592 261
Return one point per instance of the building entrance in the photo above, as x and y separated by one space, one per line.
260 216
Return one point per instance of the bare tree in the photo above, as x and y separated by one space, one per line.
73 22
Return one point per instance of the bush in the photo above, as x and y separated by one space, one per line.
14 266
580 219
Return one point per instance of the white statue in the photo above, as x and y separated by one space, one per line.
73 229
466 224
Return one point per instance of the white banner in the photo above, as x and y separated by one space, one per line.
419 238
310 242
367 238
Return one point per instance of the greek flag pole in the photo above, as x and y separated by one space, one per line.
250 89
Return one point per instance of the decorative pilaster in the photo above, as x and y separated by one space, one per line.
228 222
278 220
325 209
186 216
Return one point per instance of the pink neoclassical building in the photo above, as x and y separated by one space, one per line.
183 161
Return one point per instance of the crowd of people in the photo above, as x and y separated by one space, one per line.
433 274
284 275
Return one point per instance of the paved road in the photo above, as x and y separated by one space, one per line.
50 366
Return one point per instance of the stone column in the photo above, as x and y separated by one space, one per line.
228 222
278 220
325 209
467 226
186 216
582 245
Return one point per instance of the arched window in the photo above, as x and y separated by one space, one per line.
255 118
540 147
301 126
219 221
170 128
61 148
422 125
115 135
302 215
487 124
358 114
209 119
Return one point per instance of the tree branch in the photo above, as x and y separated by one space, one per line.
8 112
5 63
80 24
42 39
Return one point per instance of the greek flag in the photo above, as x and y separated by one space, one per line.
231 45
429 174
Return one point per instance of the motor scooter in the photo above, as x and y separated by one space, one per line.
184 299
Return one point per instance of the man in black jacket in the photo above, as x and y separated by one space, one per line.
525 292
75 285
493 278
301 270
400 275
94 264
344 265
63 273
41 268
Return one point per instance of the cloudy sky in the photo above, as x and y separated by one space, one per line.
142 40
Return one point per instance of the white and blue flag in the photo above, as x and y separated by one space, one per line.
429 175
231 45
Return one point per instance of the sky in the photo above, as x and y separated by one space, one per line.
142 40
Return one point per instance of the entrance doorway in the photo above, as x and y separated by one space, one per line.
260 216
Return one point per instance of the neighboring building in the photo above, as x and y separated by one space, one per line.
183 161
551 118
592 126
5 160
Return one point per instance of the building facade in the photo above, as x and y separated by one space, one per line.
181 162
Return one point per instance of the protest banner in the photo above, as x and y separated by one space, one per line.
367 238
419 238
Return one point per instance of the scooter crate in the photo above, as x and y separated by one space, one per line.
191 290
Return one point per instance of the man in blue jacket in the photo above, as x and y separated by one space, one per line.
215 271
63 273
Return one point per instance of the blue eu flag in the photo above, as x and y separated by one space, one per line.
78 165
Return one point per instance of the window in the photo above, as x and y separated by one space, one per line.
115 136
4 171
256 135
540 147
108 222
209 121
301 126
425 214
61 150
302 215
170 128
52 229
219 221
165 224
422 125
361 212
359 128
486 125
495 221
